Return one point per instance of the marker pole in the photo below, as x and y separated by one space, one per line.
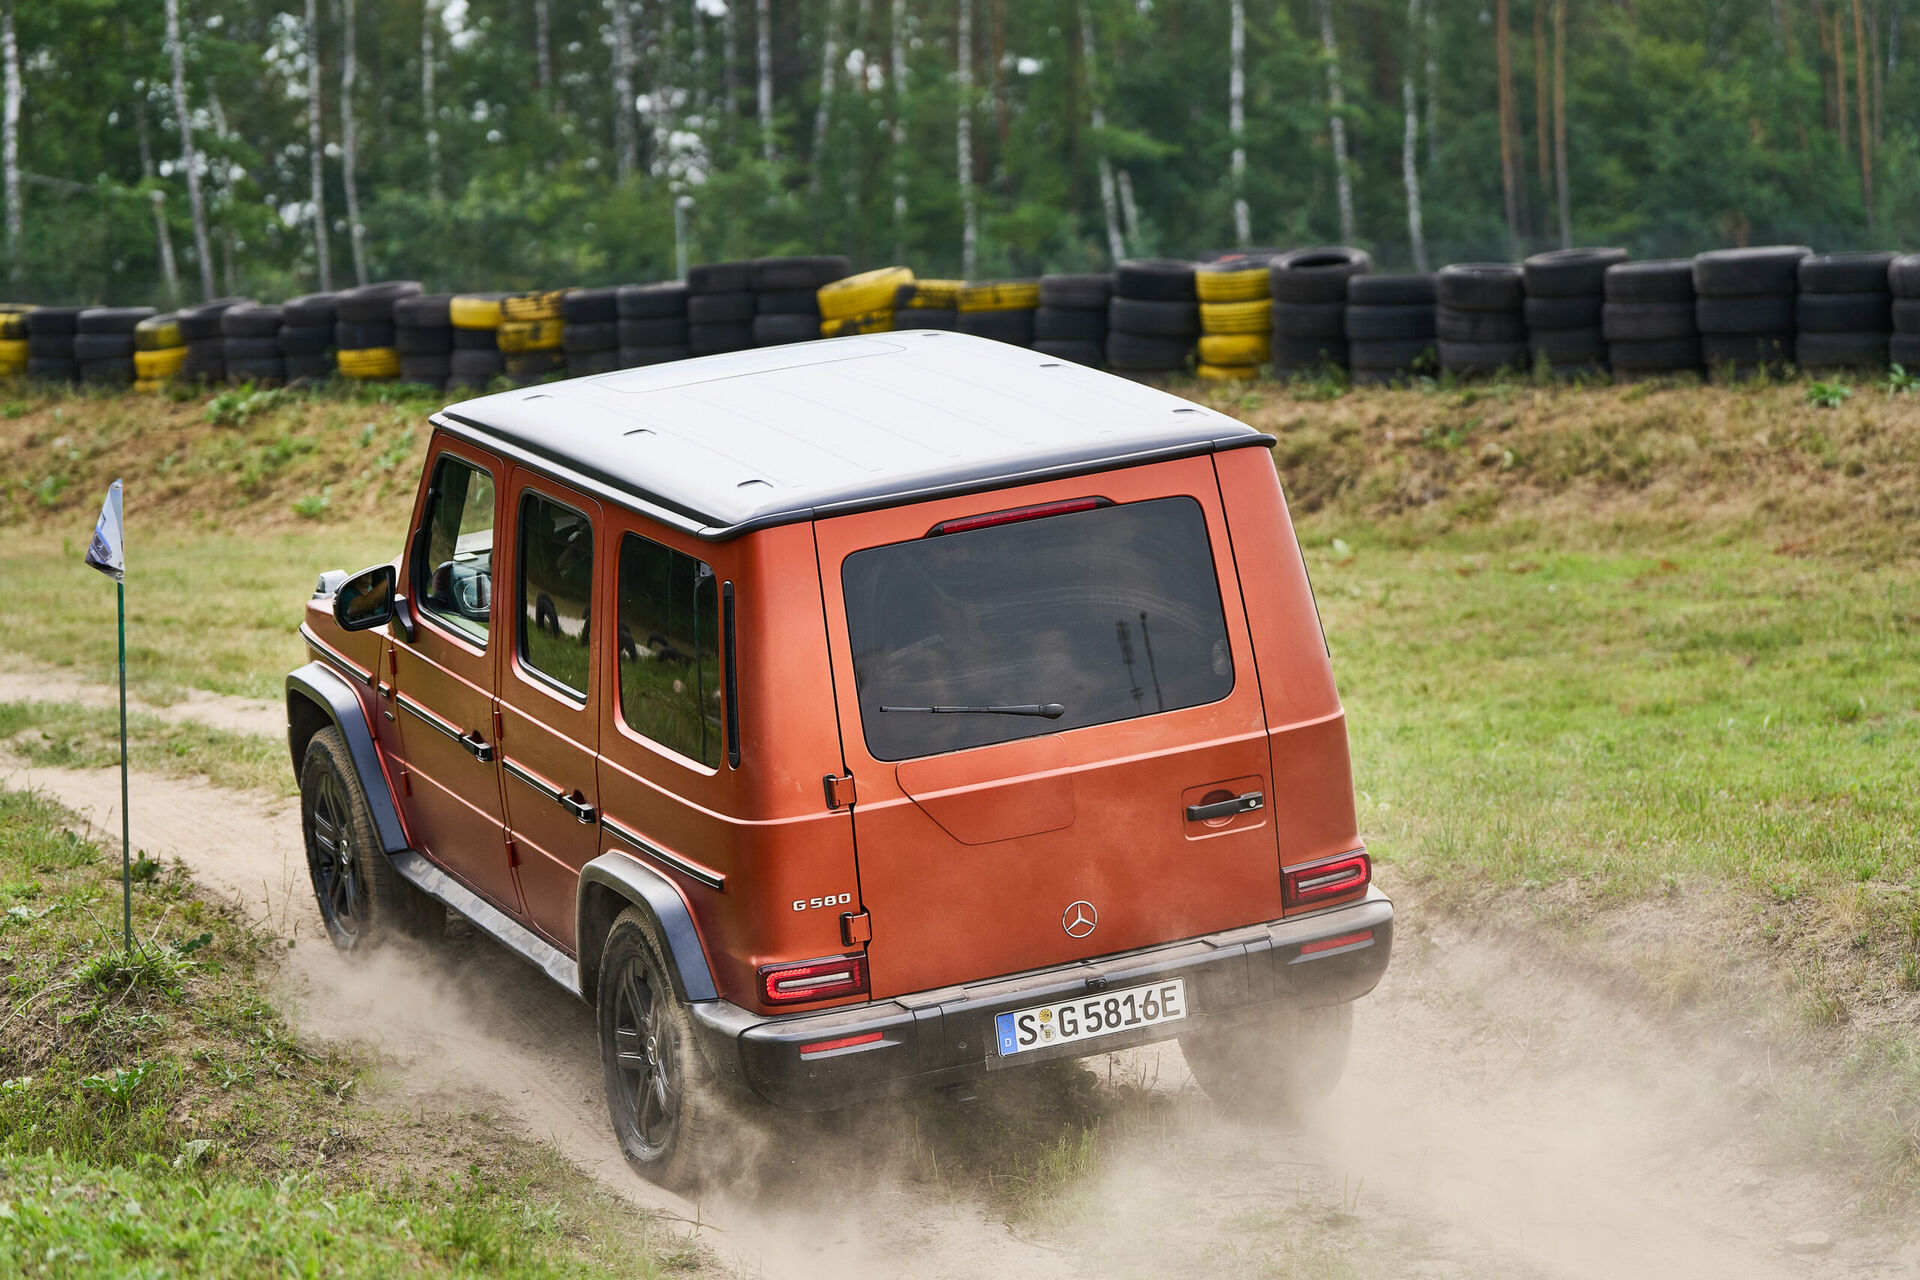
126 823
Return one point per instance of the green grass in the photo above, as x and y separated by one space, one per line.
67 735
159 1117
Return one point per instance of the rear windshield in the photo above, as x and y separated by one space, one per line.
1103 615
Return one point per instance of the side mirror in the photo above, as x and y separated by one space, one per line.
365 600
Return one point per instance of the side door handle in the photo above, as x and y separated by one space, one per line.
477 746
1245 803
576 805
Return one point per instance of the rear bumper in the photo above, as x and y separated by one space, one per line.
935 1038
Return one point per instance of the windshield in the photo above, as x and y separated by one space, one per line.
1111 613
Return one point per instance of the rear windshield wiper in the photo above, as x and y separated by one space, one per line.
1048 710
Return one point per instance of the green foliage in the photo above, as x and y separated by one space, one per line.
1899 382
1829 395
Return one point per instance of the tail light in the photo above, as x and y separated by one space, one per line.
1326 880
825 979
1014 515
844 1042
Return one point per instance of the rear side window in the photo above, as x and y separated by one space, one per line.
457 571
556 590
670 649
1112 613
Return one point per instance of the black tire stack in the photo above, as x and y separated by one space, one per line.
1844 314
653 323
1648 319
1153 320
306 336
476 359
364 331
206 344
1390 328
998 309
533 335
1071 321
50 335
103 344
933 304
1903 278
787 297
1566 294
1481 317
423 335
721 305
592 338
1309 289
250 344
1745 302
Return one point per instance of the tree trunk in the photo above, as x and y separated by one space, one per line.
763 37
543 50
1779 26
1503 58
1840 79
1410 144
10 140
897 38
222 169
1560 122
1542 97
316 151
1002 108
729 70
1116 244
350 143
1337 122
429 118
1128 209
626 143
1860 99
1237 123
157 199
963 140
189 158
1433 90
823 113
665 96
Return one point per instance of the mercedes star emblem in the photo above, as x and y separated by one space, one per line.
1079 919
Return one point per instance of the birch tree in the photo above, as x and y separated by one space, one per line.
823 113
430 119
1410 144
222 169
1433 89
316 151
1116 243
1237 122
189 157
1337 122
963 139
1503 59
626 146
156 198
10 139
1560 122
350 143
543 50
897 65
1860 83
763 42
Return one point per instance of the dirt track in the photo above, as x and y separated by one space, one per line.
1495 1120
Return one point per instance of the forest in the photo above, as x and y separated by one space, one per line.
171 151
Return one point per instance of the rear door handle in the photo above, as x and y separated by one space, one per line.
1246 803
579 808
477 745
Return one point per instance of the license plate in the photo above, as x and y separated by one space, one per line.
1090 1017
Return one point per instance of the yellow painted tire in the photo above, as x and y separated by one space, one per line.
1237 317
161 364
1229 372
158 333
867 322
1231 284
532 306
13 320
370 363
13 351
472 312
864 294
935 295
520 336
1000 295
1235 348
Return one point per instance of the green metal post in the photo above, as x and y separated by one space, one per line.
126 823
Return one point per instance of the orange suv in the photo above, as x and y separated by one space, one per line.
869 714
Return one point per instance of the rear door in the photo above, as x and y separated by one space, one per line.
1034 686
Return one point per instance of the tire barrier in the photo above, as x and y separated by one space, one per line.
13 340
476 359
1309 291
50 334
862 303
1390 328
1480 319
1566 295
652 324
307 334
1745 302
1236 317
1071 321
721 305
998 309
250 344
103 344
787 297
1843 316
423 337
590 338
364 330
159 352
1903 280
1153 319
1649 319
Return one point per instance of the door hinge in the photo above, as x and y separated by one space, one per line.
513 851
497 726
855 927
406 782
839 790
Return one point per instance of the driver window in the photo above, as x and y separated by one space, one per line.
458 570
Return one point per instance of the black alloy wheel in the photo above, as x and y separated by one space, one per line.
645 1058
334 861
659 1095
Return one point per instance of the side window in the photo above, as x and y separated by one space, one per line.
556 590
457 571
670 649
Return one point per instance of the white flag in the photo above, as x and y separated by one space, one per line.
107 551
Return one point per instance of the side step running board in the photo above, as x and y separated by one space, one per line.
496 924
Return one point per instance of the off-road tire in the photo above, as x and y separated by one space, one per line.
1569 273
333 807
1391 291
1274 1063
1655 280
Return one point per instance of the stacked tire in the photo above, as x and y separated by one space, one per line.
476 359
1481 318
50 333
423 337
1236 317
934 304
652 324
1648 319
1071 321
1903 278
1309 288
13 339
206 344
862 303
1154 317
1746 304
1390 328
103 344
1566 295
999 309
591 339
532 335
307 328
250 344
721 305
1844 314
787 297
159 352
364 329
